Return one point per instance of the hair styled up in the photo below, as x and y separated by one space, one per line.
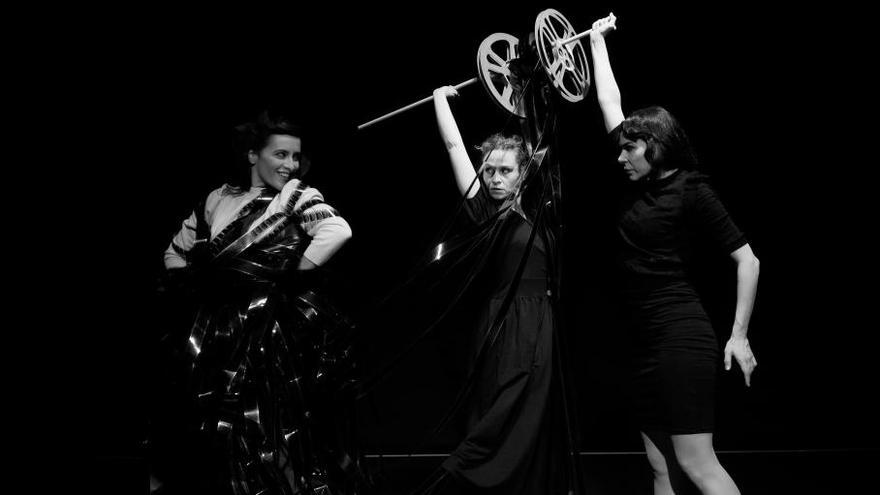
254 136
668 146
501 142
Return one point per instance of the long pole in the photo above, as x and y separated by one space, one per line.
411 105
587 32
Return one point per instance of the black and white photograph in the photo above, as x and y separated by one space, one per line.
570 248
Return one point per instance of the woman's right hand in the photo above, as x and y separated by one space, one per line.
604 25
446 92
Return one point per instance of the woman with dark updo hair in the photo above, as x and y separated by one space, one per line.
263 373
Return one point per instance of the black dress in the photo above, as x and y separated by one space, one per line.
675 353
265 366
512 428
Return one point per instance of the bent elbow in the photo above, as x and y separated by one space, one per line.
344 230
345 234
750 265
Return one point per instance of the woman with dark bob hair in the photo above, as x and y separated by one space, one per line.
260 375
675 353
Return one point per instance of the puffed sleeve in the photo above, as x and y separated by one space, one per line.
186 238
328 230
481 207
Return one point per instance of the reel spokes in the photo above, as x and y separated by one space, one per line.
563 58
493 65
559 50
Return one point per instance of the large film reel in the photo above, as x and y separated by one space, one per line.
565 63
559 51
493 66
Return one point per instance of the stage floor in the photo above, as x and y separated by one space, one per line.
606 473
627 473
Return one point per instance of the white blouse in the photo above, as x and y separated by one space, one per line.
222 208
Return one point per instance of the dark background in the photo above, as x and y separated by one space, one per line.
772 100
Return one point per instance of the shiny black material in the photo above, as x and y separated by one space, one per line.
268 367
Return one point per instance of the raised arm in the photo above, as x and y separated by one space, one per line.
747 269
462 167
607 91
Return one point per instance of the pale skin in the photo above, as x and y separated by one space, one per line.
274 165
694 453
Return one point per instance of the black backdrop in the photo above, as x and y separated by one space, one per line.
766 95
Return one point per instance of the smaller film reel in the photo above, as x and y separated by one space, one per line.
493 66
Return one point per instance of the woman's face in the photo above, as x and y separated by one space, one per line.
501 173
632 157
276 163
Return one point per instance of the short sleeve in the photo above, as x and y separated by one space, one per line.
192 228
614 135
710 217
612 147
481 207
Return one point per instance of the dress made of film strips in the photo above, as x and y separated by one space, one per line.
269 359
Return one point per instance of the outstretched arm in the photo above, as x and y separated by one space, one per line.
607 91
747 269
461 163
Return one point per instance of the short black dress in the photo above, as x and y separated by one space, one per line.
675 353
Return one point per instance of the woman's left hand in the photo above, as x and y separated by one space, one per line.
739 348
603 26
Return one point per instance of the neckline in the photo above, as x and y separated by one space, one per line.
669 177
653 184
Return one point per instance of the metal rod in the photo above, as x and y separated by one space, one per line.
412 105
588 31
576 37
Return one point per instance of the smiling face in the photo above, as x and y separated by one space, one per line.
632 157
277 162
501 173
